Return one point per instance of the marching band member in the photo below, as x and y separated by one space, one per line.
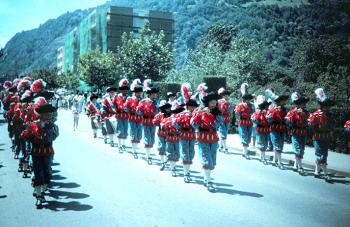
297 121
107 112
276 116
227 109
206 120
187 133
42 133
164 108
135 120
121 115
147 108
92 111
244 111
320 124
172 138
262 126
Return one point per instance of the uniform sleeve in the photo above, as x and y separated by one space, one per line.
51 134
195 121
140 108
127 105
289 118
219 121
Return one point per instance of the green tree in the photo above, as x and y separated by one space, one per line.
147 56
68 80
99 69
48 75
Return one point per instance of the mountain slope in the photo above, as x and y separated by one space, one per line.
279 25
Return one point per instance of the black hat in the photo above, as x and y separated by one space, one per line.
13 89
110 89
46 94
93 96
45 108
152 90
28 98
170 94
137 89
163 105
210 96
247 96
192 102
281 98
263 105
327 103
301 100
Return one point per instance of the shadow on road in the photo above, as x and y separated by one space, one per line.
64 185
58 177
55 164
69 206
56 194
237 192
3 196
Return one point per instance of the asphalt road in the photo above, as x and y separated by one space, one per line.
94 185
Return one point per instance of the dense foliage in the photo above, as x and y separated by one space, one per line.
99 69
48 75
148 57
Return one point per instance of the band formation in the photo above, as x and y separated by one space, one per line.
194 118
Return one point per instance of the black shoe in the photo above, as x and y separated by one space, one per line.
95 136
123 148
39 203
162 167
281 167
173 173
301 171
20 169
210 187
112 144
135 156
24 174
120 149
317 176
149 161
327 178
226 151
187 179
105 140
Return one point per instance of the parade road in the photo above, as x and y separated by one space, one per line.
94 185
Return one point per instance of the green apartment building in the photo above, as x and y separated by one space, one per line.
105 27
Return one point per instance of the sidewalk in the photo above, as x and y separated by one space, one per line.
337 163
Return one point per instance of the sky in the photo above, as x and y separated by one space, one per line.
22 15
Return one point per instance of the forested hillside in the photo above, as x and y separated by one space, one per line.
280 27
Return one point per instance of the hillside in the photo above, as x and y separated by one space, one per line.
279 25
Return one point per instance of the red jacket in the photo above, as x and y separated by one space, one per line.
319 122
